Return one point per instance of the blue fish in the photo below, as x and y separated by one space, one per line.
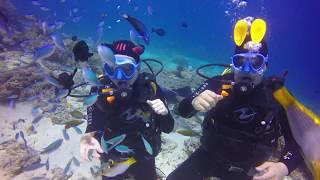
65 135
66 169
35 110
123 149
14 96
32 98
147 145
23 138
104 144
90 76
37 119
57 40
47 165
116 141
33 166
53 146
17 136
90 100
44 52
106 54
75 161
139 27
77 129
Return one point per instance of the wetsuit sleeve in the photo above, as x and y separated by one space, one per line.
95 119
291 156
166 122
185 108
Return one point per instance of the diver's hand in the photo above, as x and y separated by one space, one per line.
273 171
158 107
88 142
206 101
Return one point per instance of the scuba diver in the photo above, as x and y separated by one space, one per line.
126 121
243 120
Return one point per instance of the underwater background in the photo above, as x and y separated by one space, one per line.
196 32
292 34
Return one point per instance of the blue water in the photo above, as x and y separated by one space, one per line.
292 35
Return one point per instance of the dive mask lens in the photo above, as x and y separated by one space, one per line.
108 70
257 61
238 60
127 69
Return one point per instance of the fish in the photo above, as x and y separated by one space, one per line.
36 3
66 169
147 145
106 54
184 25
89 101
44 26
185 132
23 138
77 129
57 40
72 123
52 147
35 110
53 81
17 136
123 149
37 119
90 76
115 141
117 168
14 96
65 135
118 20
44 52
62 93
34 166
75 161
159 31
47 165
44 9
31 130
171 95
139 27
104 144
76 114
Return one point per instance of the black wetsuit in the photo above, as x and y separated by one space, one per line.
135 118
240 133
